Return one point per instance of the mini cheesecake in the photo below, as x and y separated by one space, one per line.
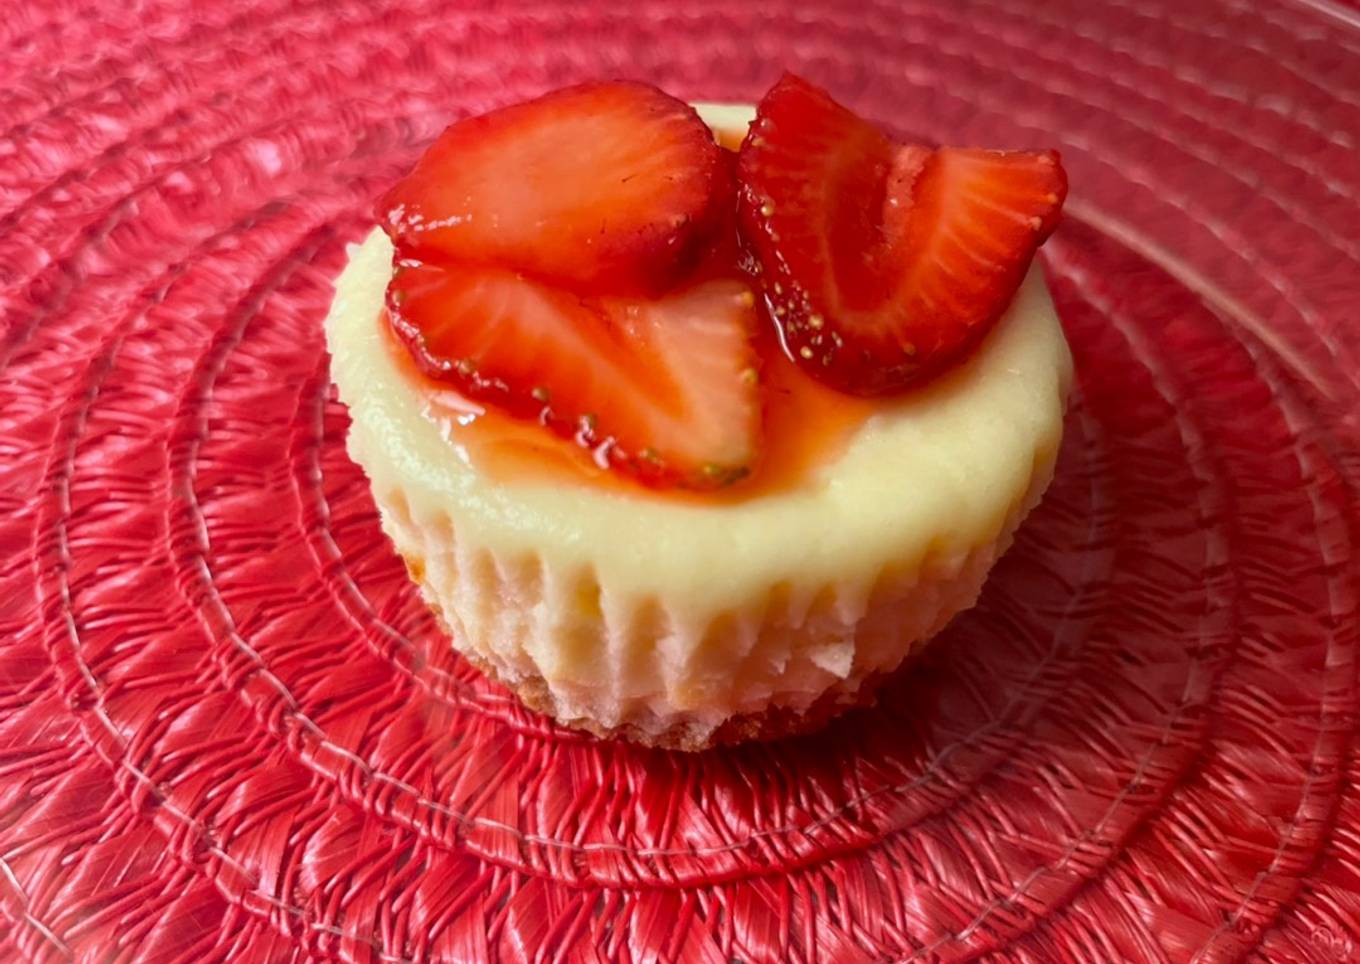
681 616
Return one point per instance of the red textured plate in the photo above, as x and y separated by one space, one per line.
229 730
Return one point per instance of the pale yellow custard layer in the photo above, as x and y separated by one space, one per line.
628 604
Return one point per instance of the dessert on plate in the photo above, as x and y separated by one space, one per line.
692 424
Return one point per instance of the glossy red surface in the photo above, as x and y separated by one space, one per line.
229 730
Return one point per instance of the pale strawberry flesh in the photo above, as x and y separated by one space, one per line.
664 389
884 264
610 187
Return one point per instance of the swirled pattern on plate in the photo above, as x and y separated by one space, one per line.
229 729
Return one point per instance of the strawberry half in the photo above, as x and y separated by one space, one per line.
664 390
884 263
610 186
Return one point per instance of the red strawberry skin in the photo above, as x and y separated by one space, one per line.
884 264
664 390
611 187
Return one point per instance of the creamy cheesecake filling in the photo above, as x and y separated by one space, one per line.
625 602
933 475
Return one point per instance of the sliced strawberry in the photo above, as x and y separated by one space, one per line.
603 187
885 263
664 390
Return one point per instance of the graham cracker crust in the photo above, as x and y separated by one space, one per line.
770 724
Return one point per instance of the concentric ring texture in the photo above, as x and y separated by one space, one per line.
230 731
